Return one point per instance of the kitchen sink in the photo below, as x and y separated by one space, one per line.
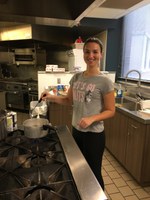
128 104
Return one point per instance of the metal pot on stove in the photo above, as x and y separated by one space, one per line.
36 127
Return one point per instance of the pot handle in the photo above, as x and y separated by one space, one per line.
48 127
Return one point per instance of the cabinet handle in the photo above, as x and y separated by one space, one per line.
133 126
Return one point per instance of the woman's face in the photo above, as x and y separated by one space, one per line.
92 54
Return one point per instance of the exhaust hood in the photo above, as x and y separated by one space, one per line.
16 33
52 22
64 13
37 33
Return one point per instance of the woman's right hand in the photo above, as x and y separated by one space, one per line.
46 95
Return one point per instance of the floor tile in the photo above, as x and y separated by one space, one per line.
126 191
133 184
115 163
119 182
111 189
120 169
107 180
116 196
141 193
113 174
108 168
105 162
131 198
147 189
104 173
126 176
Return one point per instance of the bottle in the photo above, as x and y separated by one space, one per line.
119 92
79 40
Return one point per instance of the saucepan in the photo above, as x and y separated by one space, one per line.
36 127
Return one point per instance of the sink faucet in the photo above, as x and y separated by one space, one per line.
134 70
138 95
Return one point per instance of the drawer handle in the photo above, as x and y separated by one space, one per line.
133 126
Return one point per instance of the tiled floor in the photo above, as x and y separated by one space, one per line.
119 185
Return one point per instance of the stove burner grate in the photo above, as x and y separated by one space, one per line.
55 191
34 169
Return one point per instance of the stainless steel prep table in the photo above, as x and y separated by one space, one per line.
87 185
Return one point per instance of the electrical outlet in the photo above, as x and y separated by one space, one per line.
58 80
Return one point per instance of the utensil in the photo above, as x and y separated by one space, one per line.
139 97
39 101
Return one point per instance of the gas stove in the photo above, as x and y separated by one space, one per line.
47 168
34 169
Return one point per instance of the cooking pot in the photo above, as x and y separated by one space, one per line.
36 127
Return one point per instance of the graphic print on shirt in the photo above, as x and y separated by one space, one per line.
82 92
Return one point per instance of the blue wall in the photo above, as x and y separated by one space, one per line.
114 39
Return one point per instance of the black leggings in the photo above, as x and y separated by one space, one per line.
92 146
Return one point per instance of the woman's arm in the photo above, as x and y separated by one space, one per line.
108 111
64 100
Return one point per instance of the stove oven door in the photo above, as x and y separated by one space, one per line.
17 100
33 97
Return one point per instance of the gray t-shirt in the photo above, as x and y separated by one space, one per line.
88 98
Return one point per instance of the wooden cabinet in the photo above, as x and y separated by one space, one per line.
146 161
115 129
2 100
128 140
60 115
135 147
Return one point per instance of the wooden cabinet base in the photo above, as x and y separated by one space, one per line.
60 115
128 140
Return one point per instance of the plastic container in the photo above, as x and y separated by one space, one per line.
40 111
9 123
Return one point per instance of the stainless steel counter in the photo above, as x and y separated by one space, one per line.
87 185
137 115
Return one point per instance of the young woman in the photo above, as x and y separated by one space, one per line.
92 95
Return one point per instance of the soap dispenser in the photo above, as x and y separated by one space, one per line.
119 92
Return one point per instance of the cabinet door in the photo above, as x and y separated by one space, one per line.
60 115
107 123
121 137
2 100
67 116
115 131
135 148
55 111
110 133
145 178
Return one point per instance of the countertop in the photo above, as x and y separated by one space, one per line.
87 185
17 80
137 115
